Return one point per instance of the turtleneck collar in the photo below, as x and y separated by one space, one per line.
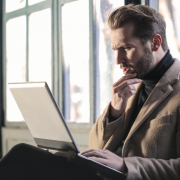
155 75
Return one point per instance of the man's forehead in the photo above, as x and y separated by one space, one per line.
123 32
124 37
120 38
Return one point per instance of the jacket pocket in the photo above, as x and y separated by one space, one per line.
157 136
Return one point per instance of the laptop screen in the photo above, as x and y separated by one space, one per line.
42 115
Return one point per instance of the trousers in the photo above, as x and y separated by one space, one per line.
26 162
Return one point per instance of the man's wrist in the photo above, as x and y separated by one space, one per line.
125 169
114 114
112 118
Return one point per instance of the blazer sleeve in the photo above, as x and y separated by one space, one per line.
103 130
147 168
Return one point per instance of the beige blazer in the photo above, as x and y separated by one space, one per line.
152 147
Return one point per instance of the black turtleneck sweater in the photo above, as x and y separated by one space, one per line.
149 82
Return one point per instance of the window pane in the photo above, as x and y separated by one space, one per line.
31 2
107 71
40 46
16 59
12 5
75 36
170 10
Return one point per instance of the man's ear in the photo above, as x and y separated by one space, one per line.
156 42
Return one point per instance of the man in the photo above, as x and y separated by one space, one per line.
142 124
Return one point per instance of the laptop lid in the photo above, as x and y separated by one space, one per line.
43 116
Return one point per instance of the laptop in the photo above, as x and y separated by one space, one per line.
48 126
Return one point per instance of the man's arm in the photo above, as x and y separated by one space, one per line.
103 130
122 90
144 168
138 168
148 169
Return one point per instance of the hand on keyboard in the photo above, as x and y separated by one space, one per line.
106 157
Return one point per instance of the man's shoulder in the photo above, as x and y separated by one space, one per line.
172 75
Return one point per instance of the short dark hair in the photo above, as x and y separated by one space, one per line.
147 22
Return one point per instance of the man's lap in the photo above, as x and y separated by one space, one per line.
28 162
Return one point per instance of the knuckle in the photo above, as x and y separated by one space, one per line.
119 95
132 87
135 80
129 87
114 90
125 83
131 92
96 153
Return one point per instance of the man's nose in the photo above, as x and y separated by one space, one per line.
120 57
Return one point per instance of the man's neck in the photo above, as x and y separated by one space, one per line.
159 54
164 64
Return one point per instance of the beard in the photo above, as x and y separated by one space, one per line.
144 65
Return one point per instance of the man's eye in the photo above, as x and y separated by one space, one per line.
127 48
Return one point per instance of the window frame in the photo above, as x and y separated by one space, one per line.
27 10
73 125
56 49
154 4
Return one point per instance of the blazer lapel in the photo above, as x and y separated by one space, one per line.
159 93
155 98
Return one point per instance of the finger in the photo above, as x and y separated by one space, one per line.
126 89
93 150
129 76
127 94
99 154
90 150
125 84
86 151
95 154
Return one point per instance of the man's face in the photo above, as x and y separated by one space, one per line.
131 54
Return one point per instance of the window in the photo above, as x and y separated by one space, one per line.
66 43
28 47
107 72
170 11
75 50
14 5
16 61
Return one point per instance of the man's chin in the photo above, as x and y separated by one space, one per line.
130 73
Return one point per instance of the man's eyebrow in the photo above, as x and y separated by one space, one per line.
124 45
